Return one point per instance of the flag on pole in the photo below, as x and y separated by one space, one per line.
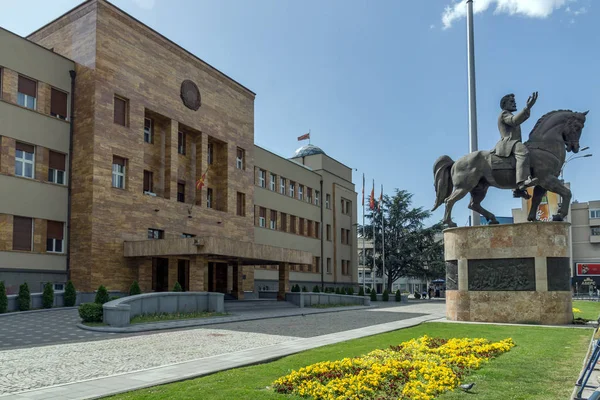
380 199
304 137
363 190
372 199
200 182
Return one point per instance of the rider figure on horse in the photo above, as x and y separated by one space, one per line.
511 142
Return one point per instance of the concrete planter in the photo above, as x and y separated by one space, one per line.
119 312
307 299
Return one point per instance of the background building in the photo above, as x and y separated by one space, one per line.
35 122
167 184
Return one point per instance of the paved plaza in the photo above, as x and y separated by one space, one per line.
109 363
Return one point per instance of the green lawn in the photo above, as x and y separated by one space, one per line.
589 309
145 318
544 364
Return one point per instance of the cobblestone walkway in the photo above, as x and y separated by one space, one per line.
30 368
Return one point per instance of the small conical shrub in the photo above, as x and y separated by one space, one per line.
70 295
304 289
350 291
373 295
24 298
337 290
3 298
177 287
361 291
48 296
385 296
316 289
135 289
398 295
101 295
368 290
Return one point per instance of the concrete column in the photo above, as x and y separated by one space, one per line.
161 173
238 284
284 280
541 274
198 270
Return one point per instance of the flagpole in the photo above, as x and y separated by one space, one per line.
382 238
373 222
472 95
363 235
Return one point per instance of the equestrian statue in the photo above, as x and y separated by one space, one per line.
513 164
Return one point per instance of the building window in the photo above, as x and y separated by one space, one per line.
241 204
148 187
283 225
595 213
58 104
317 198
309 195
262 217
301 226
209 197
24 160
595 230
309 228
273 220
292 224
56 168
181 192
317 230
346 205
343 206
261 177
240 159
148 130
328 270
317 264
292 187
118 172
54 238
181 142
343 236
282 185
27 90
329 232
22 233
272 182
120 112
187 235
300 192
210 154
327 201
156 233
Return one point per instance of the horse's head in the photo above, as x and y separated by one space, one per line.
572 131
560 125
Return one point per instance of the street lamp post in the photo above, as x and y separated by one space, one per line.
573 157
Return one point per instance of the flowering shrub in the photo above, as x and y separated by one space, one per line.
576 310
418 369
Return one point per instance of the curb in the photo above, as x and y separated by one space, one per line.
200 322
17 313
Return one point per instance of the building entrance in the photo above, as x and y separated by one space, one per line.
160 274
217 277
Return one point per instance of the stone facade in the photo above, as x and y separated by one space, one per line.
509 273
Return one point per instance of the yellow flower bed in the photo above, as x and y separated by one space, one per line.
418 369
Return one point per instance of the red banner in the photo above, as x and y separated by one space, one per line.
588 269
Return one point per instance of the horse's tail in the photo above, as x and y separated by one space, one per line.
443 179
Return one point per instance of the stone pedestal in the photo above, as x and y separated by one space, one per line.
517 273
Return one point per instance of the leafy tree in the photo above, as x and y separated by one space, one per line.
70 295
48 296
24 297
411 249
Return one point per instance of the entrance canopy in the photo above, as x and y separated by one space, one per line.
217 248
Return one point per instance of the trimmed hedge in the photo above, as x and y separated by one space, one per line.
70 295
398 295
135 289
91 312
102 295
3 298
177 287
48 296
373 295
385 296
361 291
24 298
316 289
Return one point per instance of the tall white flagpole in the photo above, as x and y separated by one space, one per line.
385 278
472 97
363 236
373 222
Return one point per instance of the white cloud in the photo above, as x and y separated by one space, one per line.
431 26
147 4
527 8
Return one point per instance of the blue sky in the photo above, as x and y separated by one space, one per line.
383 85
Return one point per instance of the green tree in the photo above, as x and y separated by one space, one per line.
48 296
316 289
361 291
411 249
398 295
385 296
135 289
70 295
24 297
3 298
177 287
101 295
373 295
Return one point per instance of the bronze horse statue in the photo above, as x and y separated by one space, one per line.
554 134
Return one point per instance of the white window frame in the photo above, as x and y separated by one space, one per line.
282 185
118 173
327 200
58 287
595 228
300 192
272 224
53 175
149 132
317 197
262 222
262 176
272 182
24 161
292 188
594 212
239 162
53 246
23 98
